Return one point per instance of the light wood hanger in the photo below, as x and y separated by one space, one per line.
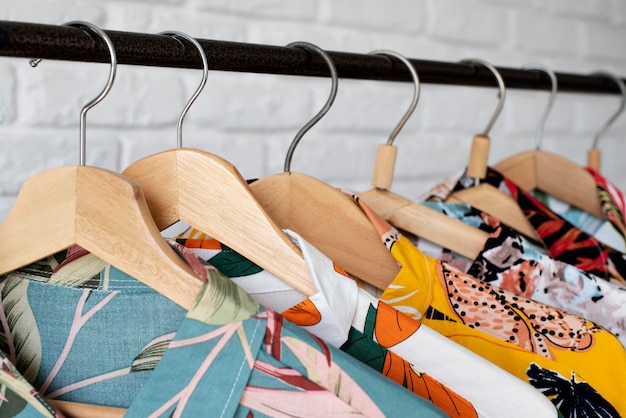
486 197
103 212
550 172
208 193
411 216
323 215
593 155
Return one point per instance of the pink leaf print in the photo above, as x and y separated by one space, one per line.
287 375
288 404
331 377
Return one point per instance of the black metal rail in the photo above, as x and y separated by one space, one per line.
57 42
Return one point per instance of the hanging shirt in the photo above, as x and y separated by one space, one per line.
609 230
392 343
80 330
231 357
512 331
19 399
561 239
511 262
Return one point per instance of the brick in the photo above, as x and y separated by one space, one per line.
7 94
150 19
593 112
54 94
57 13
283 33
240 102
246 152
326 156
25 154
604 41
262 8
539 32
523 111
465 110
372 107
589 10
468 22
395 15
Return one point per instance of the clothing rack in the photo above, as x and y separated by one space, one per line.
58 42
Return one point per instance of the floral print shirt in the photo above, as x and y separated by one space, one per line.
561 239
611 229
229 356
390 342
511 262
570 359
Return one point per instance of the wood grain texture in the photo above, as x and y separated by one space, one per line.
330 221
554 175
208 193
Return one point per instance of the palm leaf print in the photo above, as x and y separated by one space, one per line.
233 264
150 356
331 377
220 291
11 404
81 269
19 334
16 393
573 399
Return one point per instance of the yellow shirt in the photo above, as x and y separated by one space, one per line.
573 361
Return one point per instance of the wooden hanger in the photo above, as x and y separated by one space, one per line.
549 172
103 212
486 197
416 218
593 155
323 215
208 193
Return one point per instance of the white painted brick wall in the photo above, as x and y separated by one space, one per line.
249 119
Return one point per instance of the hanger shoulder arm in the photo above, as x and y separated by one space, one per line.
101 211
554 175
114 223
210 195
569 182
82 410
238 220
330 221
426 223
490 200
521 169
41 221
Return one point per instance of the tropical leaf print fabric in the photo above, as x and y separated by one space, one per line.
611 228
80 330
563 240
514 332
231 357
390 342
612 202
511 262
18 398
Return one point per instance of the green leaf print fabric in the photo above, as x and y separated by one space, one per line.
232 357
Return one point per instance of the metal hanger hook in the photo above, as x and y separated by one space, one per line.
501 94
416 90
331 98
112 72
620 83
205 75
546 111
